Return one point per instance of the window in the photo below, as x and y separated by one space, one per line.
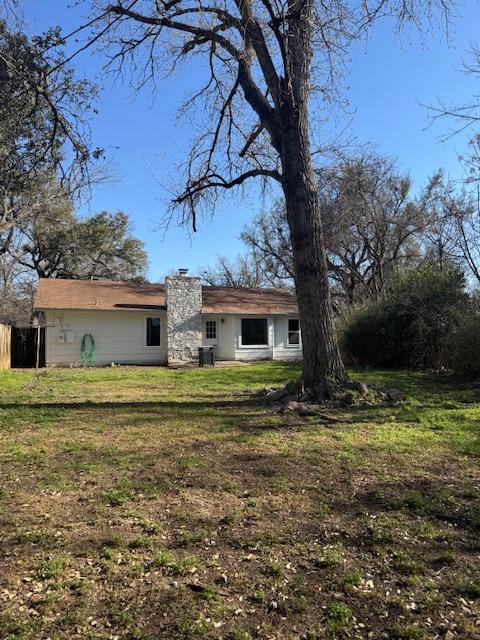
254 331
153 332
211 330
293 331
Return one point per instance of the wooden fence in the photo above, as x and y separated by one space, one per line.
5 347
25 348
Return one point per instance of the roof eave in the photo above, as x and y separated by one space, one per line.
129 308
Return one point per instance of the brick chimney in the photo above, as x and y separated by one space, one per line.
184 317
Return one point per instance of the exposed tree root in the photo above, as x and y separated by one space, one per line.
294 397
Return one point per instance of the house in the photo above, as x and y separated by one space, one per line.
137 323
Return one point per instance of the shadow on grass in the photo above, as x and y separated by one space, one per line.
140 404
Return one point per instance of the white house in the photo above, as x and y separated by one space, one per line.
136 323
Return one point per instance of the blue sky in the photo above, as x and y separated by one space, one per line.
388 83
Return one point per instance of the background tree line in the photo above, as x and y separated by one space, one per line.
374 227
57 243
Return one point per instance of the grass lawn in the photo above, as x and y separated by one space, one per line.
145 503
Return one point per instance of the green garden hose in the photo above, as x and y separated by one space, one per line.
88 350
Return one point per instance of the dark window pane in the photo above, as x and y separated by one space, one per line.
293 324
293 331
153 332
211 329
254 331
293 337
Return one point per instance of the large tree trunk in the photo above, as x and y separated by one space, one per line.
322 362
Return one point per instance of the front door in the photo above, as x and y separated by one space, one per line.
210 335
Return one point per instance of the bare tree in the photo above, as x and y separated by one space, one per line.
17 287
453 238
265 58
243 271
462 116
373 228
465 212
457 236
268 241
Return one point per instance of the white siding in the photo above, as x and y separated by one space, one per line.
120 337
225 335
230 346
281 349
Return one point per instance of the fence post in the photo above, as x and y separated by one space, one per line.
5 347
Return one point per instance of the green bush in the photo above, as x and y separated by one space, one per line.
465 347
372 337
412 326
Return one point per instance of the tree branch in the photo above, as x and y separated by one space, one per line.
217 181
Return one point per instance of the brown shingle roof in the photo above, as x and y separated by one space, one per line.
97 294
108 295
248 301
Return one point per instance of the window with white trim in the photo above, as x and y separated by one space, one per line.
293 337
255 332
153 332
211 329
